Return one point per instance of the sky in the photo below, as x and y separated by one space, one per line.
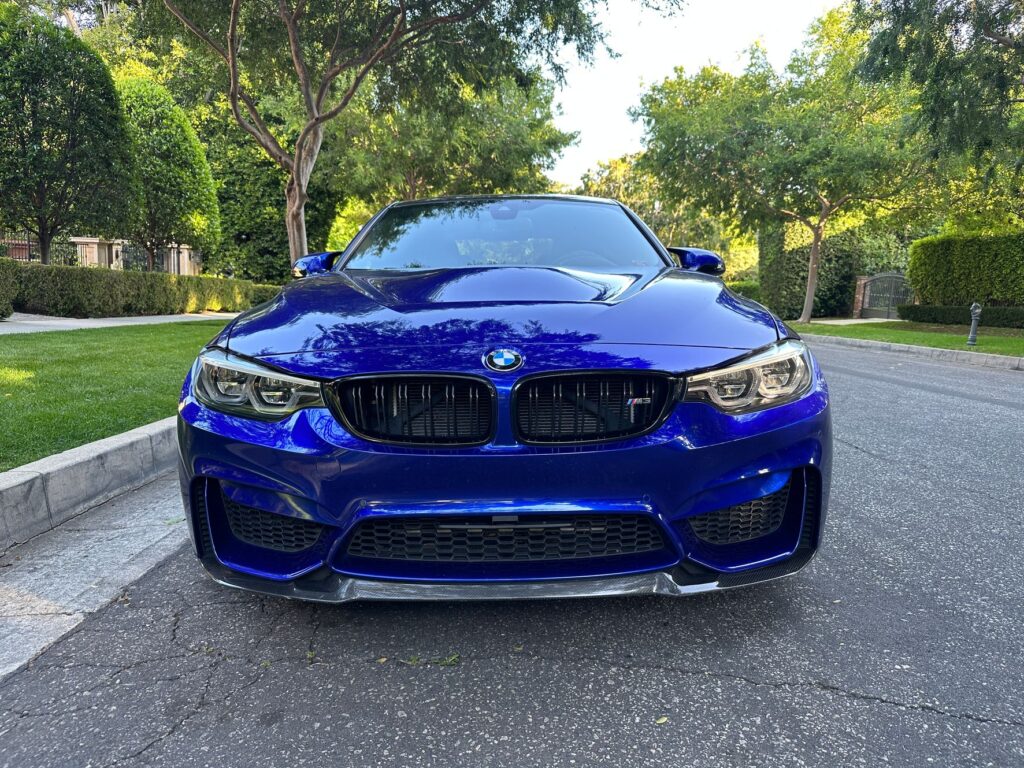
596 98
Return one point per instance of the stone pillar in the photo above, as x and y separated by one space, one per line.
858 296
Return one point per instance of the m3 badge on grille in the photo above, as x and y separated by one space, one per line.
503 360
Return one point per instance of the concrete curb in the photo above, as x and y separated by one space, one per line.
40 496
1004 362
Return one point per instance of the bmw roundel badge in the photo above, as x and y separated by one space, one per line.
503 360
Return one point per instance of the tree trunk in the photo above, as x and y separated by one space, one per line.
45 238
295 221
296 195
150 256
812 273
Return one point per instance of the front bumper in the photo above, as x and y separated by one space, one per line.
307 468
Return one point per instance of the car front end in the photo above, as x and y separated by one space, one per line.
504 432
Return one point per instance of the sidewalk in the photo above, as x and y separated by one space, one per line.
21 322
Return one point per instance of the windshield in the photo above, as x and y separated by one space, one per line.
505 232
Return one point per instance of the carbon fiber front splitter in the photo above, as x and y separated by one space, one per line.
326 586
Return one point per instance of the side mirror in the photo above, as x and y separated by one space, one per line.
313 263
699 260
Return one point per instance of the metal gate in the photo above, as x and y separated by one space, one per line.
883 293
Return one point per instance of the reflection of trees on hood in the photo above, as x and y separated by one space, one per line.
419 345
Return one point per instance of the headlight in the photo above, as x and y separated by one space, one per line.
775 376
227 383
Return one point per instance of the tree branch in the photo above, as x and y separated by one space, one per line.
291 23
254 126
257 128
1000 39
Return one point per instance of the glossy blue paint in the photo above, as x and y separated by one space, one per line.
313 264
341 323
699 260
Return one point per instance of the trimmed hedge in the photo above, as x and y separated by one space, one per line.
750 289
91 292
948 270
993 317
8 286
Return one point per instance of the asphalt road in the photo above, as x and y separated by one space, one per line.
901 644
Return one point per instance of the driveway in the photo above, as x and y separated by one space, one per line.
900 644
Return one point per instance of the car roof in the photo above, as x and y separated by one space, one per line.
477 198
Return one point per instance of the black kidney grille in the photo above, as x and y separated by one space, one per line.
488 539
580 408
420 410
742 522
270 531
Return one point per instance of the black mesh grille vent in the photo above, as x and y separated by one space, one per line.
742 522
418 410
270 531
483 539
589 407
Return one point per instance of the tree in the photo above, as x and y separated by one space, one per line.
965 56
498 138
65 152
674 221
327 49
179 197
798 146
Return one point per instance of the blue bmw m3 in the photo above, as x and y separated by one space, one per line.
504 397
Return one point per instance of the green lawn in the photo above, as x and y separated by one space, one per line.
64 388
998 341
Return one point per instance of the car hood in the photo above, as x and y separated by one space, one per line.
500 306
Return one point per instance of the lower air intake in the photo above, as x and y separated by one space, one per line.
270 531
484 539
742 522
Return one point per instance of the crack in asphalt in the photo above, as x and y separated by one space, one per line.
253 662
175 726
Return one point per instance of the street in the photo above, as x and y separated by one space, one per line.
901 643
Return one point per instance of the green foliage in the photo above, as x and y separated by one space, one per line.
66 158
800 145
991 317
980 196
967 58
82 292
179 197
675 222
466 41
321 54
8 286
953 270
250 193
751 289
764 145
350 219
498 138
844 256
